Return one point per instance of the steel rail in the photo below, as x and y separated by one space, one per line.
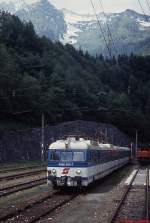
20 187
19 210
147 196
43 214
113 217
19 175
61 204
5 170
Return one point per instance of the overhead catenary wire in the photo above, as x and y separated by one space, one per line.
34 87
109 30
101 29
148 4
14 94
108 27
143 11
61 109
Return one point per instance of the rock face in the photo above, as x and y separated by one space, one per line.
25 145
47 20
130 32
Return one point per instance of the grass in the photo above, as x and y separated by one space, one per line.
20 164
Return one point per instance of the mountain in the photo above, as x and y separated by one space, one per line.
124 32
130 32
8 6
12 6
47 20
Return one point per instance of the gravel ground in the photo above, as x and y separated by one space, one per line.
5 166
135 203
92 206
96 205
21 180
21 171
22 197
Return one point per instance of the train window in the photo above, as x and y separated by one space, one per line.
78 156
94 157
55 155
66 156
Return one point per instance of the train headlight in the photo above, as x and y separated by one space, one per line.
53 171
78 171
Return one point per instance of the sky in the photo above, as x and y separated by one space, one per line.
84 6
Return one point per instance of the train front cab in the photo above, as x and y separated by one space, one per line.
67 168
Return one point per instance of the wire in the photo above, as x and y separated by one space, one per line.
148 4
146 17
86 109
101 30
28 88
108 28
14 95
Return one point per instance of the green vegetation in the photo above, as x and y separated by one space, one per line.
128 32
38 76
20 164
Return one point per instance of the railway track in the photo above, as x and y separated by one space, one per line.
134 204
19 175
5 170
33 212
21 186
147 203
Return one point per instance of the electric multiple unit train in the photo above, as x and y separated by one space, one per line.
79 162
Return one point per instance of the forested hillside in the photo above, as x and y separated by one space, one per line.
38 76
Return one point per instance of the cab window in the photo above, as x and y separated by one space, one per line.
55 155
66 156
78 156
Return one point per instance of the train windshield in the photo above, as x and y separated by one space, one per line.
67 156
78 156
55 155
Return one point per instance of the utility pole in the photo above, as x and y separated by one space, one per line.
136 143
106 135
42 139
131 151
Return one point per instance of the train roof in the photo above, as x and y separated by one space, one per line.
82 144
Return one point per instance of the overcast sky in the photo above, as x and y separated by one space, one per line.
84 6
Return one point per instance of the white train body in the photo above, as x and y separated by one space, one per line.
80 162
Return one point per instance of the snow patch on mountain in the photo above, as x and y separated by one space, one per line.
79 23
144 24
14 5
71 35
73 17
74 21
83 31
